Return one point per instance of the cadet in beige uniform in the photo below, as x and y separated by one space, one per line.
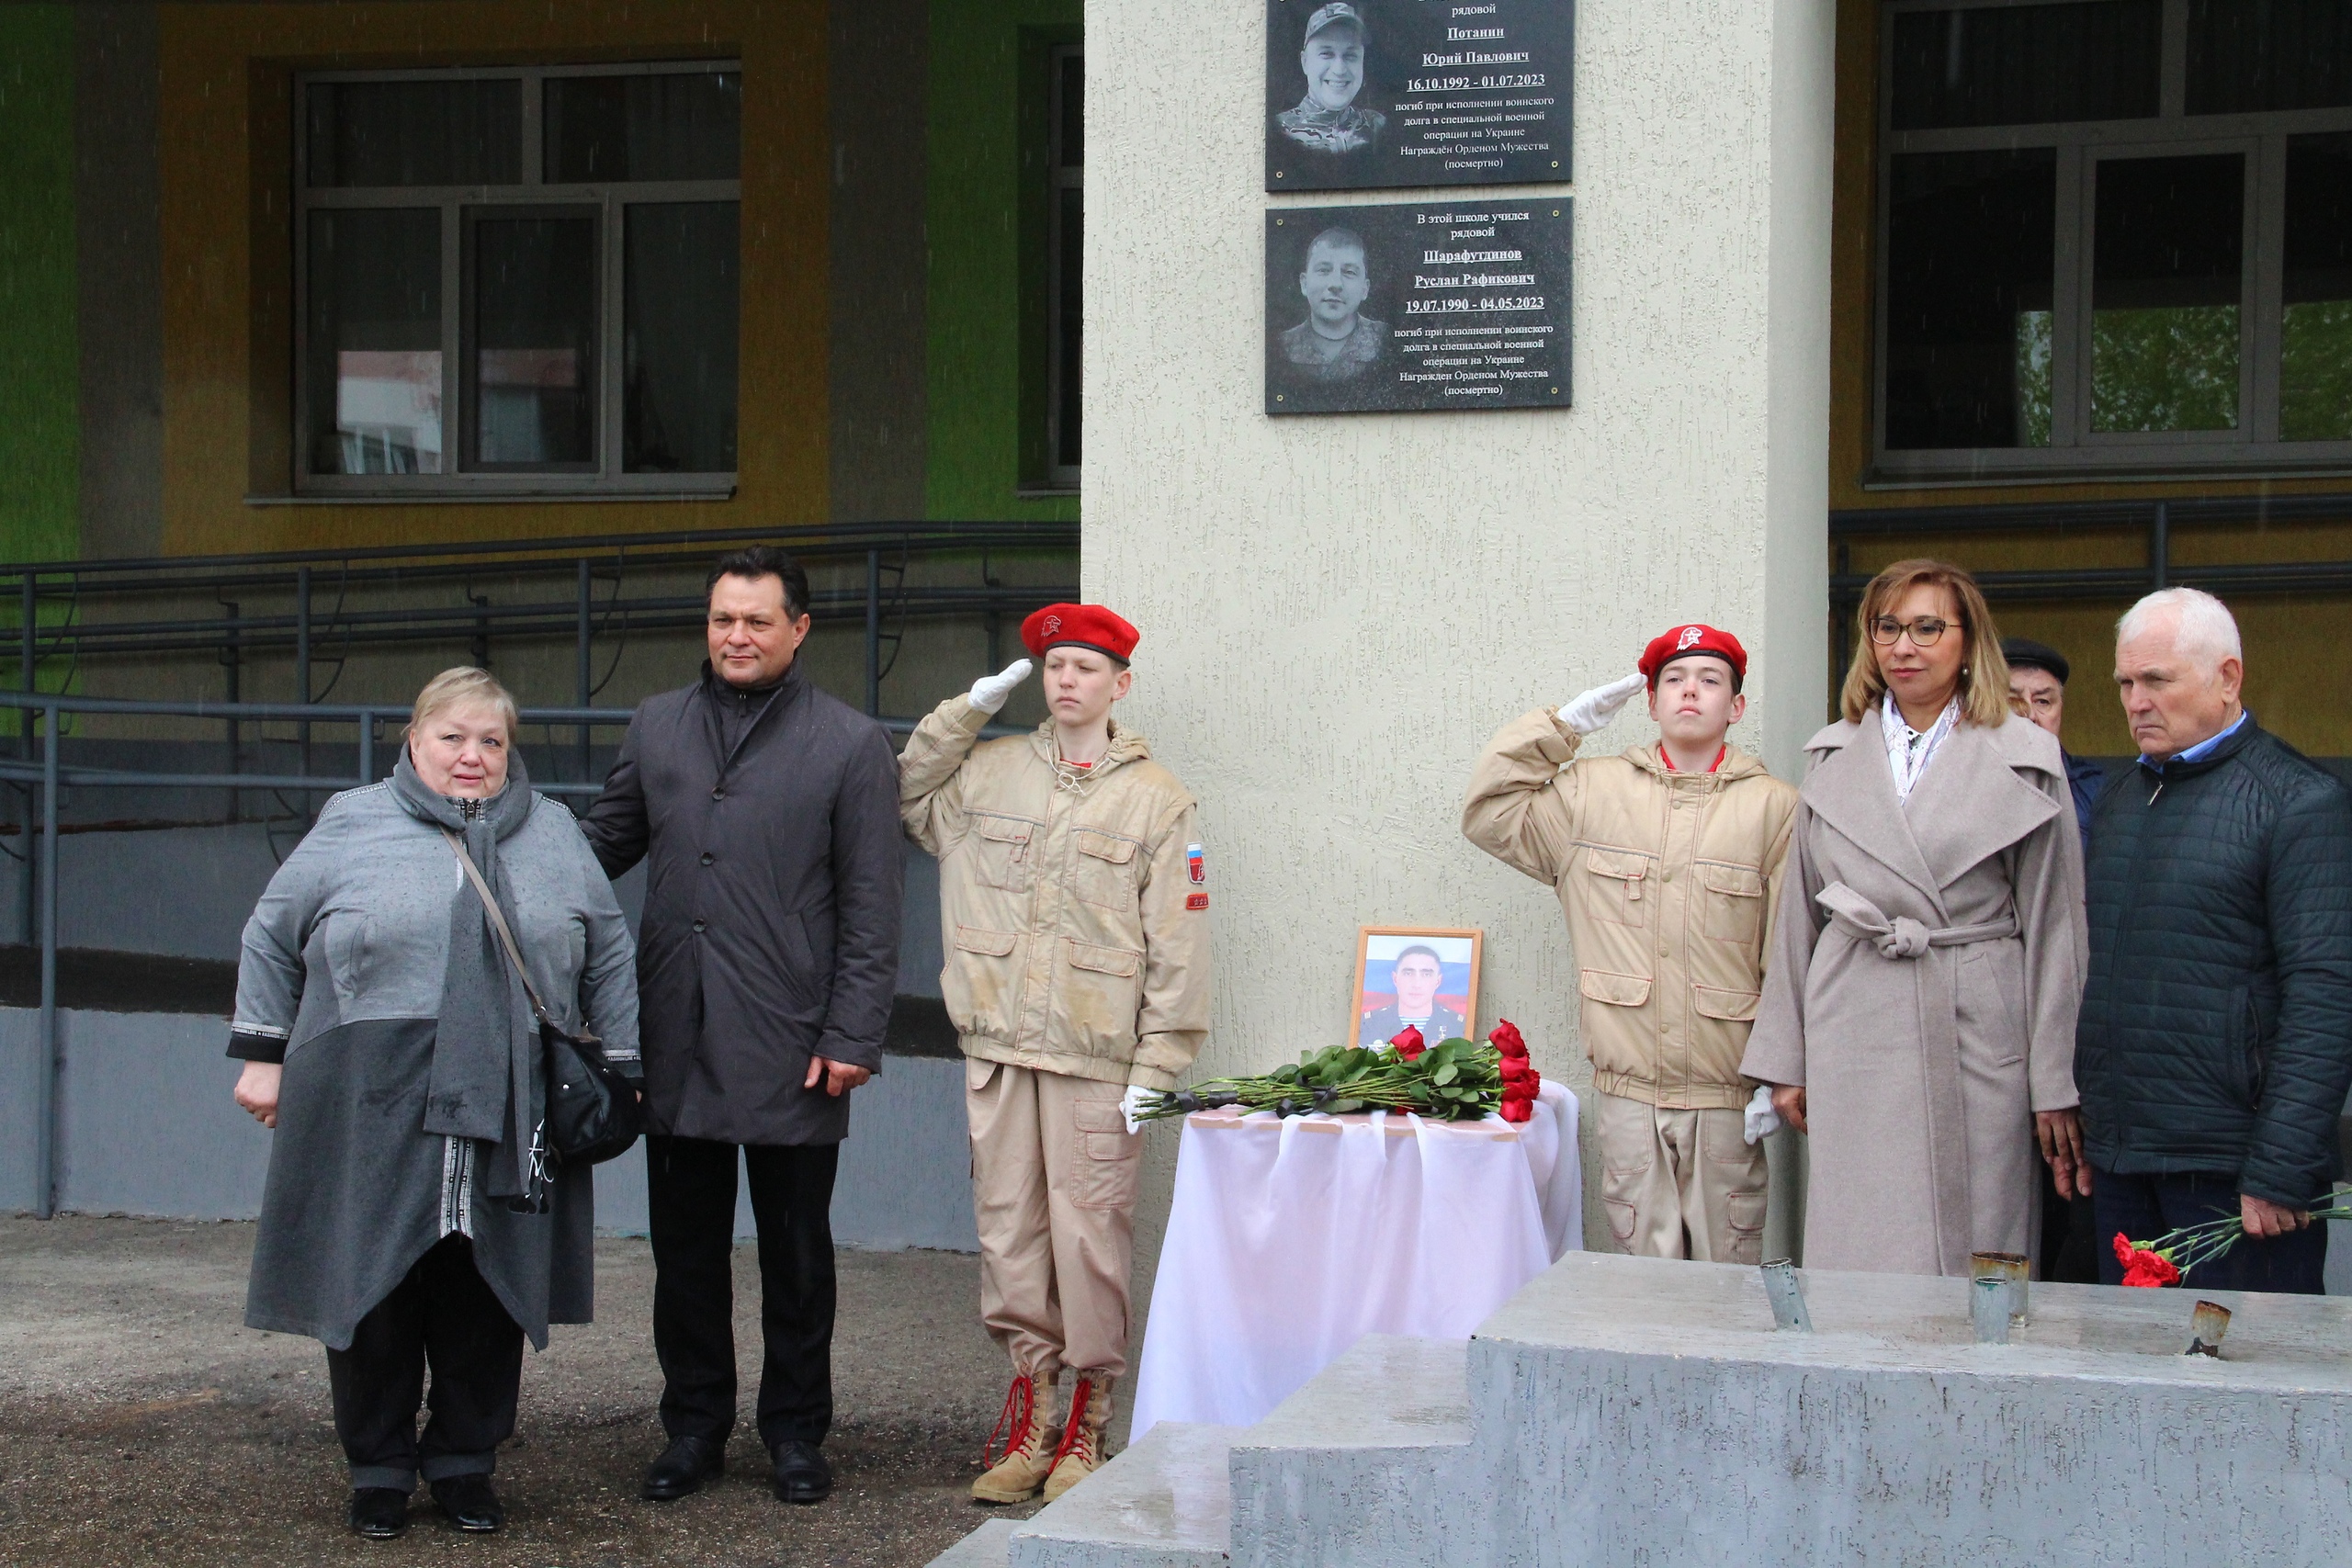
1074 909
1667 859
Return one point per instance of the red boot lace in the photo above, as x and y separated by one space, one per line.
1019 1406
1075 1434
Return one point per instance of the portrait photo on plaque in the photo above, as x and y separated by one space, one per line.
1395 309
1426 976
1368 94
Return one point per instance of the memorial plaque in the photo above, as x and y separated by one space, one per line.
1433 305
1366 94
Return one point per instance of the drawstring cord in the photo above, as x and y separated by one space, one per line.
1019 1406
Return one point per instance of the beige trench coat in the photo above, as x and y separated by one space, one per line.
1926 966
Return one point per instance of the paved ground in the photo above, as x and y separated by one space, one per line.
141 1423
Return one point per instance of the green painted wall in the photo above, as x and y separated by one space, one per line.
40 423
985 210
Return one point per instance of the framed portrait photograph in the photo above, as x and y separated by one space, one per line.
1423 976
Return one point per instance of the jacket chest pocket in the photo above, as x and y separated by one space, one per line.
999 849
1104 872
1734 902
1617 886
349 949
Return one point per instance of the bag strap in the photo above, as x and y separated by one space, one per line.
505 936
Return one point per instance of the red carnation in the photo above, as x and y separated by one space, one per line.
1517 1110
1505 1038
1408 1043
2142 1268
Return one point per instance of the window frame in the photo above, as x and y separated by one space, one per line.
1060 477
458 207
2252 449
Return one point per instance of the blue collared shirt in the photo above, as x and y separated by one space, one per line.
2202 750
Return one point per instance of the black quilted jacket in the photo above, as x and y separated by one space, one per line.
2216 1031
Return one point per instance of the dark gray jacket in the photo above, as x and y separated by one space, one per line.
2216 1029
773 875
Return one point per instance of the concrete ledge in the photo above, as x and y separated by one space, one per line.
984 1548
1165 1502
1636 1411
1370 1463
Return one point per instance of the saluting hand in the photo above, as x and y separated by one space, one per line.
1591 710
839 1077
989 693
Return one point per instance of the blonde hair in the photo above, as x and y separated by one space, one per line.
1983 671
461 687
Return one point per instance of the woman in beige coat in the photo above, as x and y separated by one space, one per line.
1919 1012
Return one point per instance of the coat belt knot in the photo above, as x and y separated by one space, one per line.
1902 937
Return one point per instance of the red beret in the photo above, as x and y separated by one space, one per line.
1082 626
1684 641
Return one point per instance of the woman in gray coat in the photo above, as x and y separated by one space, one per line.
1925 962
411 1214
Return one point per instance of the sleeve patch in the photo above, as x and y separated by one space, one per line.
1196 902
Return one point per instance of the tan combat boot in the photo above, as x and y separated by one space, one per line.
1028 1426
1080 1454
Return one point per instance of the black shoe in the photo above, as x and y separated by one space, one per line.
470 1503
682 1469
378 1513
801 1473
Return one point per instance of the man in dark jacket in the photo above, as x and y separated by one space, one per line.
2215 1042
2037 675
767 813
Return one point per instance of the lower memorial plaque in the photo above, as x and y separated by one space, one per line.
1438 305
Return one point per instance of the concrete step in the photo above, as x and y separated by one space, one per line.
1165 1502
984 1548
1369 1464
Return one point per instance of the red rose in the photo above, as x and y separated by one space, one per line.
1525 1088
1505 1038
1518 1110
1515 1068
2142 1267
1408 1043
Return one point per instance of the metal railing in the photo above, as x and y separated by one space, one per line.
590 569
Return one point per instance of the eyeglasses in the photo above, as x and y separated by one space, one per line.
1886 631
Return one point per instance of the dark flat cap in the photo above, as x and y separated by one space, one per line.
2024 653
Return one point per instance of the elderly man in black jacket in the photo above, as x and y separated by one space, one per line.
767 813
2215 1042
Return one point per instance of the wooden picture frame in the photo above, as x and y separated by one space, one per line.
1380 948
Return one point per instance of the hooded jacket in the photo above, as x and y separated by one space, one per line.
1668 880
1075 923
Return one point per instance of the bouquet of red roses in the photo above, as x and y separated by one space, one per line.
1452 1080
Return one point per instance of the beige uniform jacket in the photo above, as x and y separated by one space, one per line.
1668 879
1077 940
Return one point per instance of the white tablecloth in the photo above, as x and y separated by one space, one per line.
1289 1240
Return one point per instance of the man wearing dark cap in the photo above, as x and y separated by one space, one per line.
1667 859
1073 895
2037 689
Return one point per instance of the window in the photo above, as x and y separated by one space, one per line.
2115 237
1065 163
521 280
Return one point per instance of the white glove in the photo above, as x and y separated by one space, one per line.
989 693
1132 1101
1592 709
1760 1120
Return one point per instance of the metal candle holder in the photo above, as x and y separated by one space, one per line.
2206 1327
2013 1269
1988 1309
1783 1288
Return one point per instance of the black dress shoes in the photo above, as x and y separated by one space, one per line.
470 1503
682 1469
801 1473
378 1513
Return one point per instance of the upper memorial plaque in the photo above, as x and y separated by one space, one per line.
1364 94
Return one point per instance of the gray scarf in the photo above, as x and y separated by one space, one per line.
485 1082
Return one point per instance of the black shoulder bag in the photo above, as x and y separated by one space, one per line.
592 1111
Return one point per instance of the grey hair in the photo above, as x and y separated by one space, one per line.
2202 626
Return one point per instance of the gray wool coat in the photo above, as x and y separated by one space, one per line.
1926 968
774 876
341 980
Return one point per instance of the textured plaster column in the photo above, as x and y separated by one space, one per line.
1337 611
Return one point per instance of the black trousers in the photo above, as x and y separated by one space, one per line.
441 1312
690 1192
2144 1207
